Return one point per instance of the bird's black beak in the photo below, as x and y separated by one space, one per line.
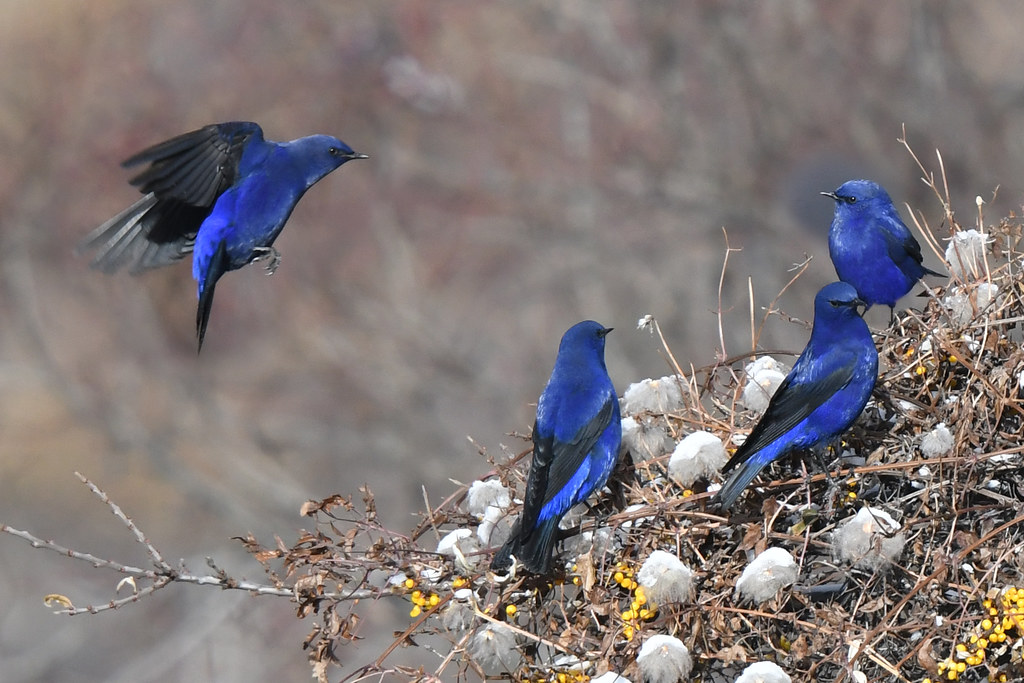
604 332
860 306
830 195
357 155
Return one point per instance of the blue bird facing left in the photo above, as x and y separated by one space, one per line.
823 394
221 193
576 441
870 246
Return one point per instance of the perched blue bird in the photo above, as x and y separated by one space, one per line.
575 445
822 395
871 247
222 193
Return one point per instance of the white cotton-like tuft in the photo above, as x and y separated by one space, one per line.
493 646
459 544
665 578
609 677
645 437
764 376
458 616
965 253
766 575
871 539
495 527
698 456
764 672
486 494
662 395
937 442
963 305
664 659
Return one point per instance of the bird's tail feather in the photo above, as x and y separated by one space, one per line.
218 266
739 480
534 552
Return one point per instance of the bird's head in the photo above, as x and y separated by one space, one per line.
321 154
838 300
585 336
859 195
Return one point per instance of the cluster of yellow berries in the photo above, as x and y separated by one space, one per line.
1004 612
563 677
639 608
421 600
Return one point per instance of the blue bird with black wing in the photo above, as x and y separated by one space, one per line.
822 395
576 440
221 193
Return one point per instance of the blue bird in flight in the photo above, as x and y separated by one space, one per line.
576 441
871 247
222 193
823 394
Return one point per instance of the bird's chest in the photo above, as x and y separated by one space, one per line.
253 213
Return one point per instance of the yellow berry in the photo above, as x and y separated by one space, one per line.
628 632
409 583
920 370
434 599
627 615
961 667
415 611
986 624
576 580
510 610
618 577
960 647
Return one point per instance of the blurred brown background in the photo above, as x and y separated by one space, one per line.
532 164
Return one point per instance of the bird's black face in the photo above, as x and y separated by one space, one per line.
343 153
857 306
845 198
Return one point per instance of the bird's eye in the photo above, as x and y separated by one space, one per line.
333 151
850 200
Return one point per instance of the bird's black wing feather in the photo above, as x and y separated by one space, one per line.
185 177
555 462
792 403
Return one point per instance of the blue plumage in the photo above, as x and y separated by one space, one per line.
223 193
870 246
576 441
822 395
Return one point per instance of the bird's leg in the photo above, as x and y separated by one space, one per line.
274 256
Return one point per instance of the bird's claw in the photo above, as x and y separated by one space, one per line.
270 253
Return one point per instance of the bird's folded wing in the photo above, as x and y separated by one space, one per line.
792 403
900 244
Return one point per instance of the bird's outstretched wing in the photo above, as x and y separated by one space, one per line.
792 403
555 462
186 175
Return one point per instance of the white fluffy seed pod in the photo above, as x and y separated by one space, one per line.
963 304
698 456
965 253
664 659
645 437
493 646
764 376
937 442
459 544
871 539
665 578
763 672
662 395
766 575
486 494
